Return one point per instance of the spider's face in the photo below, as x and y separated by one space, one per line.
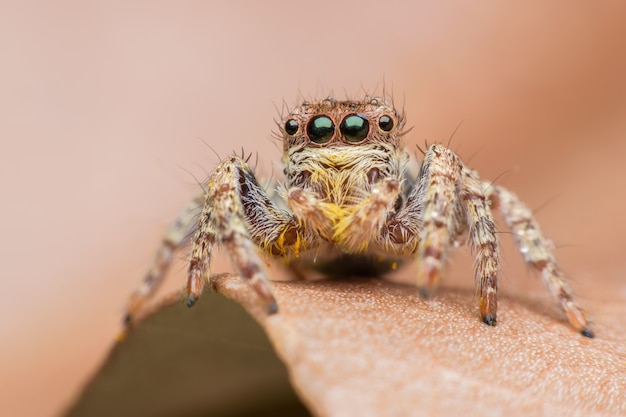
332 123
339 149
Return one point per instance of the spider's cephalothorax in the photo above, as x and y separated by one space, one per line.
344 168
350 206
339 150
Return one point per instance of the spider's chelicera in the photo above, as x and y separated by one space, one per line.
348 205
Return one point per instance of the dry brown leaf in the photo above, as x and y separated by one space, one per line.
373 348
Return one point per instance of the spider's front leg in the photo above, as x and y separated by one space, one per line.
233 211
446 200
483 241
238 215
436 201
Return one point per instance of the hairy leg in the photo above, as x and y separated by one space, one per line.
483 241
176 236
537 252
435 198
239 216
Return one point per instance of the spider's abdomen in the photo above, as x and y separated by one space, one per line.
350 265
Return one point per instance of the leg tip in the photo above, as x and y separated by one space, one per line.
191 301
424 293
489 319
128 318
272 308
587 332
121 336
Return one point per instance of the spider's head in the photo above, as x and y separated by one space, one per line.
332 123
340 149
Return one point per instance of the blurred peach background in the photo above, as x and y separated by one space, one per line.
105 106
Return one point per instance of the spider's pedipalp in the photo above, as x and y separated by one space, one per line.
354 231
306 206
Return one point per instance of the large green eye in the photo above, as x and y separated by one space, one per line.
354 128
320 129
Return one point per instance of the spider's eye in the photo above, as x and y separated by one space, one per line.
354 128
320 129
291 127
386 123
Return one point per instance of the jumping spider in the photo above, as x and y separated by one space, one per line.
348 200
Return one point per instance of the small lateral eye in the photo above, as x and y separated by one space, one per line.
385 123
320 129
291 127
354 128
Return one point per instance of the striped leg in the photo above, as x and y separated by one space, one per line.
538 253
239 215
437 199
484 242
177 235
